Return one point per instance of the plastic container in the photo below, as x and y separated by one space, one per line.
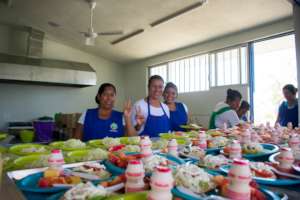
135 174
145 145
202 140
161 184
173 147
56 159
239 178
235 150
285 158
27 136
44 130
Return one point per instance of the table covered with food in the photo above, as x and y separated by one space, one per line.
245 162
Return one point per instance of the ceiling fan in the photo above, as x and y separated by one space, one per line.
91 35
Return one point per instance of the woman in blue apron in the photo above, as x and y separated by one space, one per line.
104 121
178 111
288 110
225 112
150 116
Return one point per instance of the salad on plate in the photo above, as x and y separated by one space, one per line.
193 178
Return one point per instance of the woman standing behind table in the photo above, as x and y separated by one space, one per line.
288 110
225 112
149 115
242 111
104 121
178 111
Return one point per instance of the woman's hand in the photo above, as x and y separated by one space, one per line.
127 109
140 119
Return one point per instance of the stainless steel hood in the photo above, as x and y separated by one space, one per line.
24 63
47 71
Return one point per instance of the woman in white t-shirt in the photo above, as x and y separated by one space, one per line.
149 115
225 112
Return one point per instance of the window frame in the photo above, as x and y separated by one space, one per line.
209 54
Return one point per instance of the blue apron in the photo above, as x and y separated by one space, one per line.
96 128
156 124
178 117
287 115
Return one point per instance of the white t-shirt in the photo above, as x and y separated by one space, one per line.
229 117
82 118
155 111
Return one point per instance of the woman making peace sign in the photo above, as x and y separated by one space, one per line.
150 116
104 121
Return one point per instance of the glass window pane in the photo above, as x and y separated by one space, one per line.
244 68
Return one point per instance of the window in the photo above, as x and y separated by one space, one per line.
198 73
159 70
189 74
229 67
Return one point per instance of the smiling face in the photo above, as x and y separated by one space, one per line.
288 95
170 95
107 98
155 89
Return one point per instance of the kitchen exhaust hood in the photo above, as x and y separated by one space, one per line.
28 66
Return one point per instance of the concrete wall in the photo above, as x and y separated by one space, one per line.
296 11
19 102
200 103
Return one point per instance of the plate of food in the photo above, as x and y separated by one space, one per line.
134 140
264 174
191 127
48 181
192 152
69 145
213 162
117 162
29 149
31 161
91 171
86 155
87 191
125 148
107 142
129 196
194 183
92 190
254 150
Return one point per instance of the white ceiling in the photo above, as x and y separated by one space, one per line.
215 19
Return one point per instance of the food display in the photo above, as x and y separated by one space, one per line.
69 145
262 170
194 178
110 142
96 169
198 174
121 160
218 141
213 162
252 148
191 126
193 152
86 191
154 161
29 149
52 177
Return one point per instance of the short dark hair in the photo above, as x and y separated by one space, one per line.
102 88
233 95
171 85
291 88
245 105
154 77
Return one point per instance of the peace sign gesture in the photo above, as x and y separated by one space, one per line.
127 108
